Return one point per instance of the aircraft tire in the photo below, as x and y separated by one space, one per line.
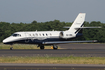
42 47
55 47
11 48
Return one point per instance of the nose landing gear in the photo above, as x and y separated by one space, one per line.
11 48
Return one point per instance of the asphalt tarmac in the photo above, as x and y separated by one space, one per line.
83 50
55 53
9 66
82 46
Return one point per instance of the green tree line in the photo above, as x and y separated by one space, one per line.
6 29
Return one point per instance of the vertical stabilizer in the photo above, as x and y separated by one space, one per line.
77 23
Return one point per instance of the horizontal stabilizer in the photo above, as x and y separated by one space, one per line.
66 27
62 42
86 27
81 27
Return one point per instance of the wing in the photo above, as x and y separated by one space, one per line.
63 42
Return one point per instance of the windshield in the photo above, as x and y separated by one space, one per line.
16 35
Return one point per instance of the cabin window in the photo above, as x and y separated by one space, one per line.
70 34
33 35
46 34
50 34
39 34
43 34
36 34
66 34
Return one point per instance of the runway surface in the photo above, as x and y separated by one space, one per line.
9 66
87 50
55 53
83 46
83 50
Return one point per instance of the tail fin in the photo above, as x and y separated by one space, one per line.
77 23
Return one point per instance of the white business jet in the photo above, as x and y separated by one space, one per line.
42 38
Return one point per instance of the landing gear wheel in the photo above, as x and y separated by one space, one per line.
55 47
42 47
11 48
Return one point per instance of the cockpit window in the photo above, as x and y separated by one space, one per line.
16 35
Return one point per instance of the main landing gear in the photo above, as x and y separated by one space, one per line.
42 47
55 47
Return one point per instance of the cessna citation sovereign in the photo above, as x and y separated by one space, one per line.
42 38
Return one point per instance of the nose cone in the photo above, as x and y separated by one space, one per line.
6 41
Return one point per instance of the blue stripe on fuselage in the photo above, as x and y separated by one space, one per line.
32 41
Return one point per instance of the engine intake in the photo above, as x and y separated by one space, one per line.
66 34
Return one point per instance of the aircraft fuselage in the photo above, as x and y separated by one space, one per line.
36 37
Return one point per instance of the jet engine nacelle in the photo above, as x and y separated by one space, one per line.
66 34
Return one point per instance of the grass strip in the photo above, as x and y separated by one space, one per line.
54 60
